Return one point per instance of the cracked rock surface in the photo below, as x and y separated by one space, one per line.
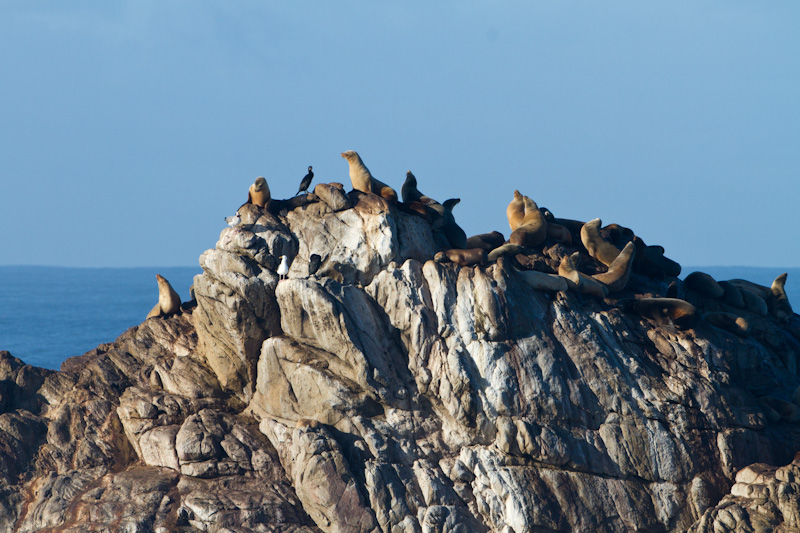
390 393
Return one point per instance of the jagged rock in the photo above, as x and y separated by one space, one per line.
386 392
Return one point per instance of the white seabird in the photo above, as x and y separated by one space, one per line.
235 220
283 269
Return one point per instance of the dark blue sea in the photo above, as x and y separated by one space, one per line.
48 314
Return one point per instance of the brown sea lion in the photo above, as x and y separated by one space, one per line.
487 241
506 249
596 245
651 262
679 312
617 235
704 284
169 302
559 233
574 226
473 256
728 322
363 180
777 301
258 194
515 211
532 231
578 281
619 271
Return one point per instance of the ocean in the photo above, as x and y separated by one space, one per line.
48 314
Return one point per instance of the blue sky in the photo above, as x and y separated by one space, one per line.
130 129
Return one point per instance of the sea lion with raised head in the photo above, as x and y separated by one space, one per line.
578 281
679 312
515 211
363 180
472 256
169 302
704 284
596 245
453 232
258 194
619 271
505 249
532 231
777 301
486 241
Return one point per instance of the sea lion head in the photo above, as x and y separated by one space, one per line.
411 178
451 203
350 155
260 183
517 195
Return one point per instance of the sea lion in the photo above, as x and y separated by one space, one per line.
532 231
453 232
506 249
732 296
486 241
617 235
515 211
777 301
728 322
596 245
409 191
651 262
704 284
619 271
472 256
679 312
547 214
258 194
169 302
579 281
305 183
363 180
574 226
543 281
559 233
753 301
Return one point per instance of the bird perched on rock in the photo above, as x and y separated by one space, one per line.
306 182
283 268
314 262
235 220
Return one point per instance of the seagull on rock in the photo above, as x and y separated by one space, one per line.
283 268
235 220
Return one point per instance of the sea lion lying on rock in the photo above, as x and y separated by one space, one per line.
619 271
704 284
473 256
506 249
679 312
579 281
486 241
728 322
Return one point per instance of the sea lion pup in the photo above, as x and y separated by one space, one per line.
506 249
543 281
728 322
453 232
704 284
680 312
486 241
259 193
532 231
169 302
473 256
579 281
777 301
596 245
515 211
620 270
363 180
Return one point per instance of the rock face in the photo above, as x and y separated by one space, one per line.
389 393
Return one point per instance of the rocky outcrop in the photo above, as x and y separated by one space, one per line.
388 392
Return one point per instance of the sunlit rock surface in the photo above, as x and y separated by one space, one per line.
390 393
